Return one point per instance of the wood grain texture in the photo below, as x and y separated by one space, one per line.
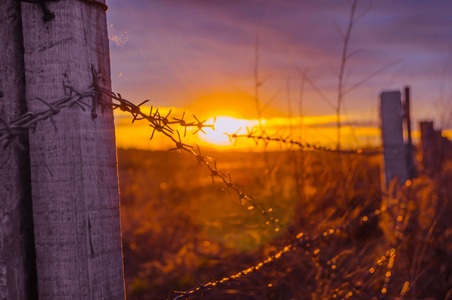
74 168
17 260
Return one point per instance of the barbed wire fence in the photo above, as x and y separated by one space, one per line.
288 140
158 122
164 124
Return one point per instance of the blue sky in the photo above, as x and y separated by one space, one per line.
199 54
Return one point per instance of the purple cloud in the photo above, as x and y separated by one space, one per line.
180 51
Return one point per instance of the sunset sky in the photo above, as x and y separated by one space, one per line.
198 56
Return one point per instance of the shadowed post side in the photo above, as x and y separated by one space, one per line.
73 161
17 254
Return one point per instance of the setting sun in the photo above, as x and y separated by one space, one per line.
223 125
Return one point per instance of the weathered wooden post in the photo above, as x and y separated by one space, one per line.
73 169
435 148
409 145
392 134
17 256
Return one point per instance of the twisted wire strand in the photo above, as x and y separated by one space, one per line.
28 121
301 242
266 139
387 259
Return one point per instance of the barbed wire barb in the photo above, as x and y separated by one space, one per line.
179 145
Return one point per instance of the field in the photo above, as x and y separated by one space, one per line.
181 230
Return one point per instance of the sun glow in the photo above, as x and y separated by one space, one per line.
225 124
318 130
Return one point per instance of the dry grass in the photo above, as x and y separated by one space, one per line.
178 227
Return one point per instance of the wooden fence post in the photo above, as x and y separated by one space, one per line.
17 255
73 159
392 134
434 147
409 145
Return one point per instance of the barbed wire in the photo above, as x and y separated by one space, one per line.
162 124
301 242
267 138
390 254
388 259
158 122
30 120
